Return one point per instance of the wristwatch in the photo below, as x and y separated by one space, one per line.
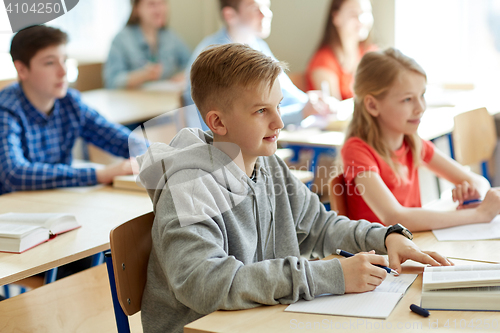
400 230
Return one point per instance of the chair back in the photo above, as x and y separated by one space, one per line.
474 137
130 248
338 195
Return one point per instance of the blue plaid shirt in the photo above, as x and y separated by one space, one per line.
35 148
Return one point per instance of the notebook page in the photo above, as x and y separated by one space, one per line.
476 231
375 304
370 305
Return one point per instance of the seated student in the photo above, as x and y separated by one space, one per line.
233 226
344 41
383 151
249 22
146 49
40 119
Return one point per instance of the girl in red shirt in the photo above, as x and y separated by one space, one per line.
344 42
382 151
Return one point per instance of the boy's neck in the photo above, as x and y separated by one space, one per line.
245 163
41 103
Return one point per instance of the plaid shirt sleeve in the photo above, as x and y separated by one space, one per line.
106 135
19 174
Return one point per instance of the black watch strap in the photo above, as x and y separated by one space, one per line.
398 228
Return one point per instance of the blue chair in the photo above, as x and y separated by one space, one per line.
127 264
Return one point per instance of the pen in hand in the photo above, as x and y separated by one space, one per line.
347 255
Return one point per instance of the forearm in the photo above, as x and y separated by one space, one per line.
136 78
421 219
38 176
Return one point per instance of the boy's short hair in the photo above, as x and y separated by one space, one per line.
220 70
230 3
27 42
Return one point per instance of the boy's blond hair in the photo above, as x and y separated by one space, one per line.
377 72
220 71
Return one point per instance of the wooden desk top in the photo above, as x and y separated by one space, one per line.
97 211
131 106
275 319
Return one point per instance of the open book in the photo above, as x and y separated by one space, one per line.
468 287
22 231
373 304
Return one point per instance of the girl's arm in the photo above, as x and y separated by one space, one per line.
468 184
320 74
383 203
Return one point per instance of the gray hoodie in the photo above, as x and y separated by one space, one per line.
223 241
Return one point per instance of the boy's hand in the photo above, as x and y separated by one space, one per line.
400 249
360 274
106 175
465 191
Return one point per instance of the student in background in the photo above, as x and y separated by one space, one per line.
146 49
243 237
383 151
345 40
40 119
249 22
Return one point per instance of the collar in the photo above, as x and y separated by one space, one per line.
33 113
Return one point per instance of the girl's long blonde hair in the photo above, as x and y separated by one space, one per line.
376 73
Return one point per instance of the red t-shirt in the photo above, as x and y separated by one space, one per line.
358 156
325 58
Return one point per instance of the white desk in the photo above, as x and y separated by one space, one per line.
131 106
98 212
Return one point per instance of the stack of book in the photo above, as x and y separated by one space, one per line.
468 287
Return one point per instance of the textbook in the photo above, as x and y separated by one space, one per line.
22 231
468 287
127 182
373 304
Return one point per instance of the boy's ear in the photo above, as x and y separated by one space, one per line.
229 15
22 69
215 122
371 105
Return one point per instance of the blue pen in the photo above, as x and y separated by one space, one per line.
347 255
468 202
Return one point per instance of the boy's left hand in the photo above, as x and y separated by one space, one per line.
400 249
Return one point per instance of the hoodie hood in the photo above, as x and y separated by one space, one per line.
192 166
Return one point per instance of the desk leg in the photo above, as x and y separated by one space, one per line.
97 259
50 275
120 316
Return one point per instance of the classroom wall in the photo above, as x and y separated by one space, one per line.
296 30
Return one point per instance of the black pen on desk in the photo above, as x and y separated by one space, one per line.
347 255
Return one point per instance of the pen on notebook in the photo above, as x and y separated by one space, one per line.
468 202
347 255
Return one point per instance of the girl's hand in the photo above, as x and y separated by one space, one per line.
465 191
360 274
490 207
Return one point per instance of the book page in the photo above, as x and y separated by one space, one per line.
374 304
55 222
12 230
476 231
461 276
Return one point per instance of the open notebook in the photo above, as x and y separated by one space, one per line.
374 304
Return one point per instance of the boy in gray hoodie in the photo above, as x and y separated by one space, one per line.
234 229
